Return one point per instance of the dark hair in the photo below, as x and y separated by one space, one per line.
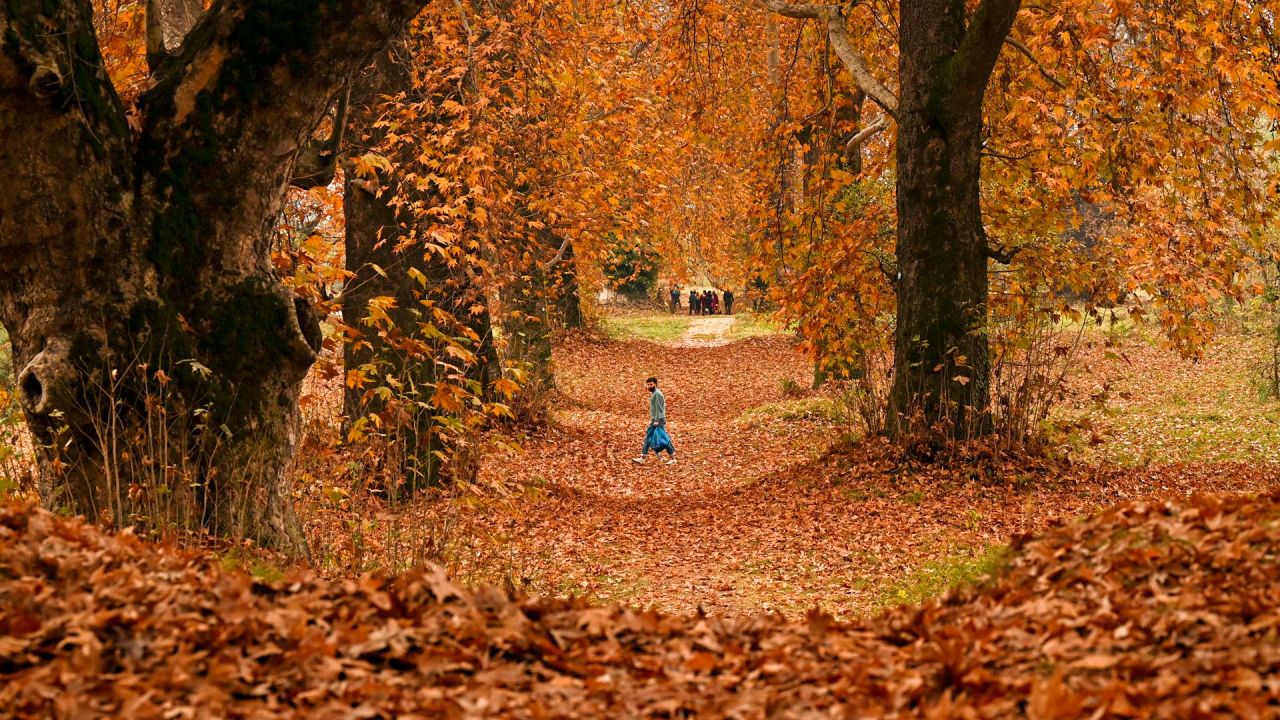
653 380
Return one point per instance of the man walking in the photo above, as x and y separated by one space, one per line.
656 437
728 302
675 299
693 302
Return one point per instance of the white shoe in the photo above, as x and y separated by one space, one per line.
638 460
671 461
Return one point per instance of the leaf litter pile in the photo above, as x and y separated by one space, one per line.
1146 610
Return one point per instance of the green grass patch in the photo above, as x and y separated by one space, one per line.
749 325
803 409
938 576
655 328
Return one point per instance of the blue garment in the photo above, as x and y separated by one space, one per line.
657 439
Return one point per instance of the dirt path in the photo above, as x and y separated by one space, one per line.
751 517
674 536
707 331
754 516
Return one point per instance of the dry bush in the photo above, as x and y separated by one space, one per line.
1032 355
1031 361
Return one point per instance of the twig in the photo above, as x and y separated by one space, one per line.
1044 72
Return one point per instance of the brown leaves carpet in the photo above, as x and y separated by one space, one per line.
759 513
1148 610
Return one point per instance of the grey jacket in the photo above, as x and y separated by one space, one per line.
657 406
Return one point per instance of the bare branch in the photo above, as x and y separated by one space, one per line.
317 162
564 247
1004 256
866 134
1026 51
838 33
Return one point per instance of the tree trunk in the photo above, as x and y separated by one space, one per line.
527 327
161 358
941 362
386 259
568 297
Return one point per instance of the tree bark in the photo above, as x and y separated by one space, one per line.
161 358
941 361
168 22
568 296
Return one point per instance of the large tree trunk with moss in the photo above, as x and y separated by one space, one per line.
941 364
160 357
386 259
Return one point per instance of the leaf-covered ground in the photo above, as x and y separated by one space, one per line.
1150 406
760 512
1148 610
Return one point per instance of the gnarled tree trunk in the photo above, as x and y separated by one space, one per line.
941 360
161 358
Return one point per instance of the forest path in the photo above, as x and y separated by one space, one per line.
672 535
707 331
756 515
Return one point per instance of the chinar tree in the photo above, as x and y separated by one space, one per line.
1105 154
421 355
946 54
158 353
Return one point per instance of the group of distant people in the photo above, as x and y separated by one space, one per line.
706 302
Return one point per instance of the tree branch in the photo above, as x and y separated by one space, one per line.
1044 71
253 81
317 162
564 246
866 134
1002 255
983 39
838 33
